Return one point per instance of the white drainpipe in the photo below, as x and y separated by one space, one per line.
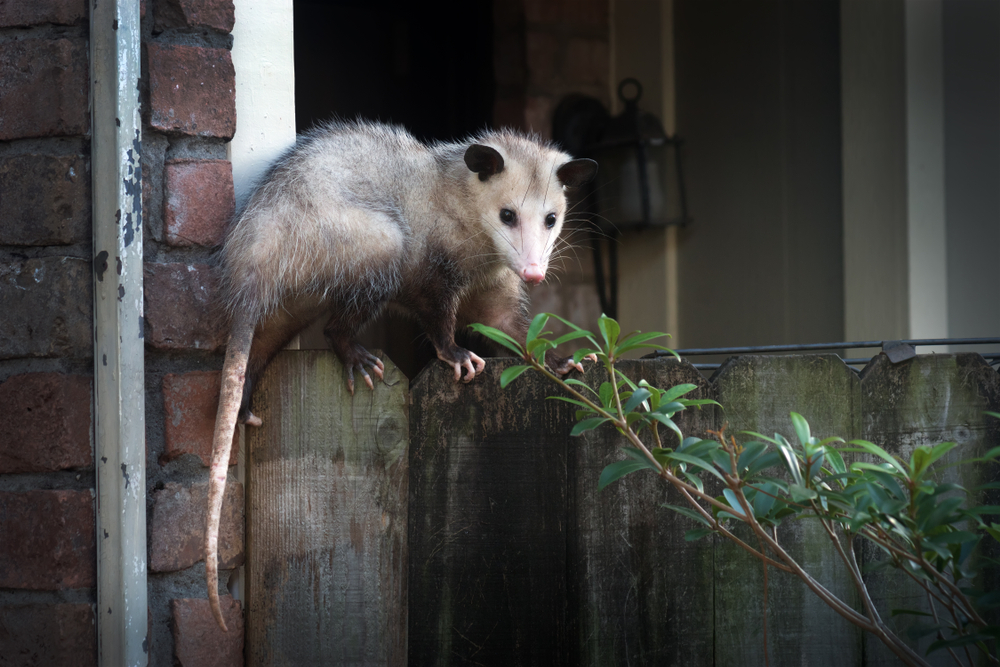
119 389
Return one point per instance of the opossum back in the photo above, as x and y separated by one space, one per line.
329 213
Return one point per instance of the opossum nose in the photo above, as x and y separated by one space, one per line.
533 274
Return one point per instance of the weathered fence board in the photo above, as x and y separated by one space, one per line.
758 393
924 401
488 530
514 557
326 517
639 594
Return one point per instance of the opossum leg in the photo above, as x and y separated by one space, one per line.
438 320
340 334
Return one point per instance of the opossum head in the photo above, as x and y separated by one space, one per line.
520 194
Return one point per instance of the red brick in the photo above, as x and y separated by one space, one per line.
46 308
48 540
36 12
180 307
178 527
44 200
192 90
215 14
48 634
199 641
44 88
198 201
45 423
190 402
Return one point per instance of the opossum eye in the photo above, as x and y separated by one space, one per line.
550 221
507 217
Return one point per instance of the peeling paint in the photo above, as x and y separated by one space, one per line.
101 265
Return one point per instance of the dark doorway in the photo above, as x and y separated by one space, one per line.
425 65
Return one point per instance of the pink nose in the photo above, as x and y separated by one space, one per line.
533 274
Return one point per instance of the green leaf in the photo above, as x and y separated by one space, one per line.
697 402
640 456
800 493
537 324
923 456
578 383
509 374
637 340
609 331
638 396
836 461
688 512
734 502
572 335
676 392
881 453
751 451
498 336
791 462
763 462
696 462
539 345
696 481
954 537
666 421
617 470
588 425
801 427
764 500
607 394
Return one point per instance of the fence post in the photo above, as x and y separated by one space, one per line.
925 401
758 392
326 517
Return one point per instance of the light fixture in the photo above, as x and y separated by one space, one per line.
639 182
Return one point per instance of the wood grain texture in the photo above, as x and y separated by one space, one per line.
488 535
326 517
639 594
758 394
925 401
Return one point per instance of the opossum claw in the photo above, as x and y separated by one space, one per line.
368 378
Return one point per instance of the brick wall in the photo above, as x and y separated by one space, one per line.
47 545
189 114
47 541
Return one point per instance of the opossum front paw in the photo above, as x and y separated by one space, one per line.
563 365
460 359
355 358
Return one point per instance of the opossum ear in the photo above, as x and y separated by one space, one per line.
575 173
483 160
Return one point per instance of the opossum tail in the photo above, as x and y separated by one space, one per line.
233 376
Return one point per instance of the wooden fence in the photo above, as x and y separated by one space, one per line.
489 544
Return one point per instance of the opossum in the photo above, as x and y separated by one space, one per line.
358 216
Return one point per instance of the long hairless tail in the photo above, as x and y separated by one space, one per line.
233 374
